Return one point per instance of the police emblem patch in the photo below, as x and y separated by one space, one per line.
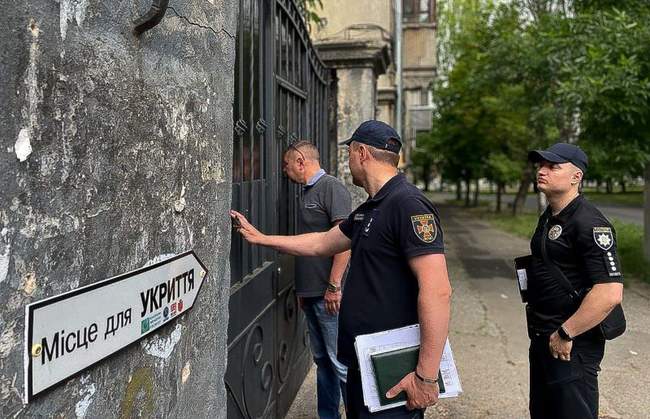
424 227
555 232
604 237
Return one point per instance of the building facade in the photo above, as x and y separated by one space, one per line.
401 90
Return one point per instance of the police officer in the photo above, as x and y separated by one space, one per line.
397 274
574 240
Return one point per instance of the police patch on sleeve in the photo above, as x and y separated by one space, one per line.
603 237
424 226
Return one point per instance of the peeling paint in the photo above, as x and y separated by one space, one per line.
29 283
4 260
8 340
185 372
163 347
87 392
70 10
23 145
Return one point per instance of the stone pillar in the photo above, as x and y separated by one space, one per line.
358 64
116 153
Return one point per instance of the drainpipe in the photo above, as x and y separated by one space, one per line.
398 66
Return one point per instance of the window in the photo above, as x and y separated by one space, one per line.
418 10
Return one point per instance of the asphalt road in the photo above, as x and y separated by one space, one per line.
488 334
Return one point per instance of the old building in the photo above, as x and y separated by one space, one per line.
370 35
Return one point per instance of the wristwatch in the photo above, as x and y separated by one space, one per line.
563 334
332 287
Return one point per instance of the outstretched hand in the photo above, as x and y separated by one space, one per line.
246 229
419 394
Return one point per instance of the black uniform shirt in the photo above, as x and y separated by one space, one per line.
582 243
381 291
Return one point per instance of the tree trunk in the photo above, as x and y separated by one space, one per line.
500 188
458 190
609 185
524 183
476 192
598 183
646 212
427 177
623 188
467 190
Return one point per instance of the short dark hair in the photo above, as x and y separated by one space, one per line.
382 156
306 148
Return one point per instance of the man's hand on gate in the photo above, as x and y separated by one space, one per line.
246 229
418 393
559 347
332 301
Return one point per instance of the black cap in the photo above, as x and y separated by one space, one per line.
561 153
377 134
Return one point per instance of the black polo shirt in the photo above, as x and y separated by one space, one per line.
582 243
381 291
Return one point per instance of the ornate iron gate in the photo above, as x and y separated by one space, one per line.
281 94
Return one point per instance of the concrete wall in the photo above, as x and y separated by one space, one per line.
352 110
115 151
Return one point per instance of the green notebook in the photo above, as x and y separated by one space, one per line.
390 367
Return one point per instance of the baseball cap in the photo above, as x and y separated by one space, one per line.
376 134
561 153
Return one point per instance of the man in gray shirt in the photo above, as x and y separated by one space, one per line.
325 203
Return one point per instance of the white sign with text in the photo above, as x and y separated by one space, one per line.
68 333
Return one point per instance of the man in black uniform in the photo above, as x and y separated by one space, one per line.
567 345
397 275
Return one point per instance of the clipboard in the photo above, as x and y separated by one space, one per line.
522 269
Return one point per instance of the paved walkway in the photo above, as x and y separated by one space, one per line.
488 334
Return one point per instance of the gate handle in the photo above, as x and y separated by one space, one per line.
152 17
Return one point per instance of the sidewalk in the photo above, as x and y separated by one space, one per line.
488 334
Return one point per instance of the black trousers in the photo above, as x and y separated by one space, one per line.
356 409
565 389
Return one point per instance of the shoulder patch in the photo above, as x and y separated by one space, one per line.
603 237
424 227
359 216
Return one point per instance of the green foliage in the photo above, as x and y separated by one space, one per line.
628 199
520 75
309 10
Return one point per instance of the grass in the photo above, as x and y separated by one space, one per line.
633 199
629 237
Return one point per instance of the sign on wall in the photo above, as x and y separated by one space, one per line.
67 333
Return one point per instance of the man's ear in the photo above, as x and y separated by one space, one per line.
363 152
577 176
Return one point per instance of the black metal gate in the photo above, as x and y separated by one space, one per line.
281 94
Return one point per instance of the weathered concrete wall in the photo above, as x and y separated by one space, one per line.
115 151
356 103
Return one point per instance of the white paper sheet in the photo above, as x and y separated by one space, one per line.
389 340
